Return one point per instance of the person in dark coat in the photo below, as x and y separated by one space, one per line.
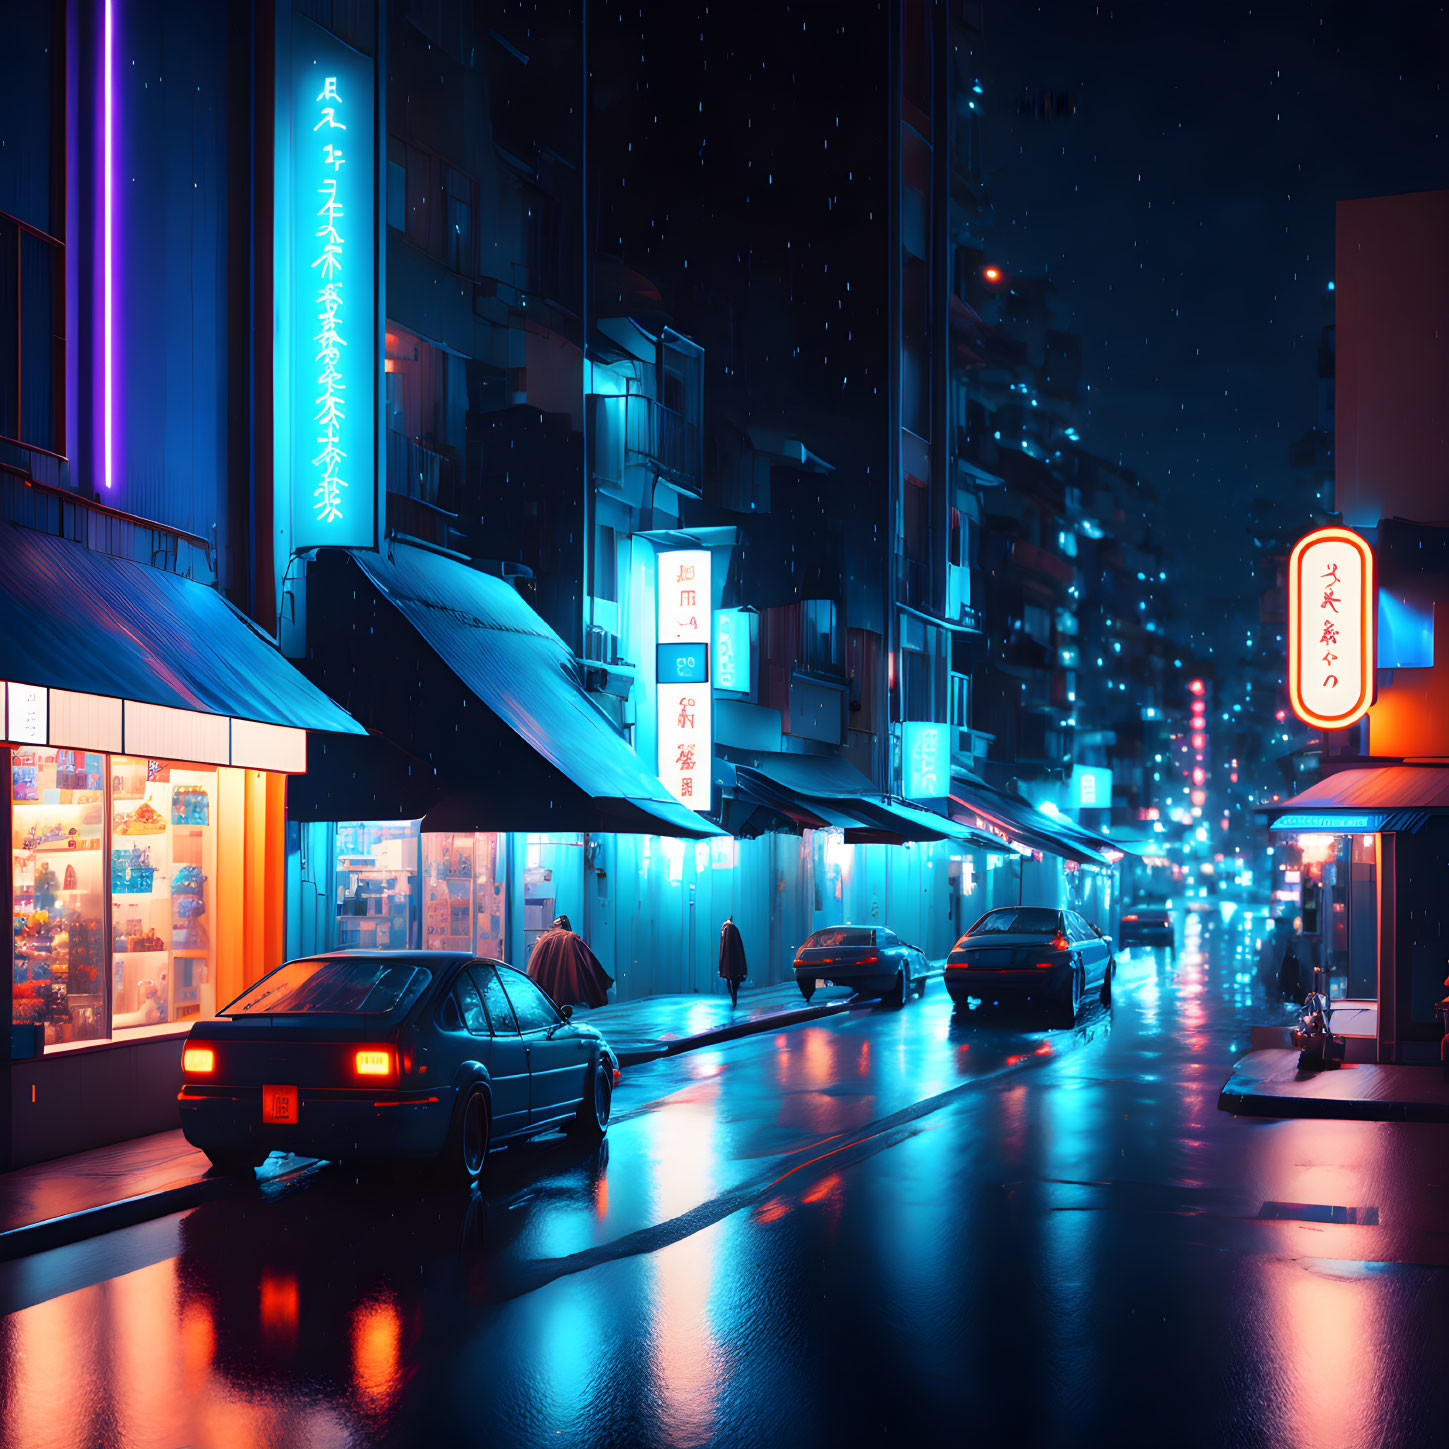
564 966
732 958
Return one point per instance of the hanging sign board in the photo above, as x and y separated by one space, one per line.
1331 616
334 436
684 691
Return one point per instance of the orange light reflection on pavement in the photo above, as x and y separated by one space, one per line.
376 1345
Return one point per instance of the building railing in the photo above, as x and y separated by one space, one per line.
421 473
656 434
57 511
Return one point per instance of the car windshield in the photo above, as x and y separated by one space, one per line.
843 936
361 986
1020 921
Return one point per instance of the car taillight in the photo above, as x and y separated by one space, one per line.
1129 918
373 1062
1059 942
198 1060
866 960
1045 965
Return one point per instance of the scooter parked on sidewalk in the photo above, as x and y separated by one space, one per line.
1317 1046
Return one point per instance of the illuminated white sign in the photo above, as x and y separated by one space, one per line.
25 714
333 468
1331 610
684 691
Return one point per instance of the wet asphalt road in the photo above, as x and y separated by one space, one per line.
887 1228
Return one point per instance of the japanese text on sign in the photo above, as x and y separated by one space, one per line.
685 710
1331 628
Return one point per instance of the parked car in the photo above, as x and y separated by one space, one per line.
868 958
1147 926
1051 957
390 1054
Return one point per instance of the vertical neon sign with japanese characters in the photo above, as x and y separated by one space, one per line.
686 709
1331 618
334 498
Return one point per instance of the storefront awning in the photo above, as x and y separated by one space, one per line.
836 794
1398 798
500 655
1018 820
86 625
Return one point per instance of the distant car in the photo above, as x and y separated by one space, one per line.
1049 956
867 958
1147 926
390 1054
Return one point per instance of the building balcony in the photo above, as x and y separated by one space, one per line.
663 439
416 471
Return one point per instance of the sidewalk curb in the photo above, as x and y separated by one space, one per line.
756 1027
126 1212
59 1232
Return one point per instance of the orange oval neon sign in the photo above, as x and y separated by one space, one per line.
1331 616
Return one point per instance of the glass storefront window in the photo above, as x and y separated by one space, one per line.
377 897
463 893
164 827
56 859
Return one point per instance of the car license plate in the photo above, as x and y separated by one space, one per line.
279 1104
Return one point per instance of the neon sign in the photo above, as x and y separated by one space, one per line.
1331 628
334 351
684 694
926 755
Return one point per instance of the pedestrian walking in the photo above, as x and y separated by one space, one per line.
564 966
732 958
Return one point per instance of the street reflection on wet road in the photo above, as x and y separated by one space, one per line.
886 1227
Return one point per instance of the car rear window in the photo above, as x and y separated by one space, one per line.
357 986
1022 920
842 936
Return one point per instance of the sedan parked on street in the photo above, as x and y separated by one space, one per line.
1038 953
1147 926
428 1055
869 959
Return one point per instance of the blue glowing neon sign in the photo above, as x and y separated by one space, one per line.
334 445
1330 822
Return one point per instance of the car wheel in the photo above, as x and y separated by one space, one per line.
1105 995
236 1163
896 996
472 1134
807 987
597 1103
1068 1001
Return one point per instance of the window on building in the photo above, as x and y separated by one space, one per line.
821 651
863 665
32 336
377 897
606 563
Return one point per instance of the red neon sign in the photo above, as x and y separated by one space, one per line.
1331 616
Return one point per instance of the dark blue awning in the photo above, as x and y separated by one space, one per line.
508 659
75 619
836 793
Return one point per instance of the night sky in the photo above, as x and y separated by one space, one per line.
1186 213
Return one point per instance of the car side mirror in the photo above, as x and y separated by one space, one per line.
567 1012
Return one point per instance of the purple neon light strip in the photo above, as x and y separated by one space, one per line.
109 184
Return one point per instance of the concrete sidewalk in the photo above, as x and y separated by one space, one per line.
71 1198
659 1026
1268 1083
